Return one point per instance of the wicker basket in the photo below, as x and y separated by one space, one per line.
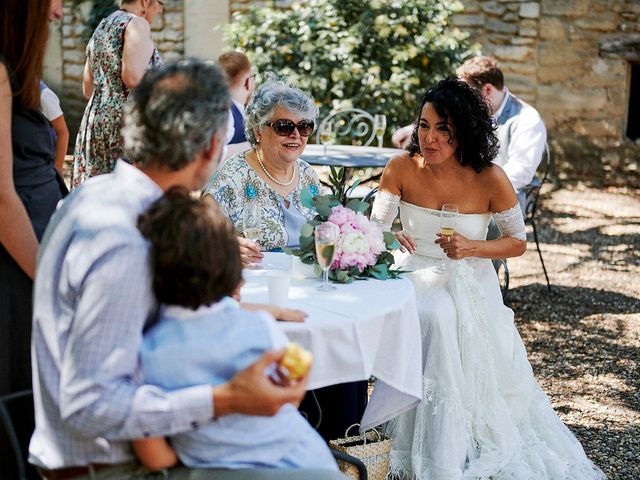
372 447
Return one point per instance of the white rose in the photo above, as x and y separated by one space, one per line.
354 242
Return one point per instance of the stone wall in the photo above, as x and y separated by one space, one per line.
555 55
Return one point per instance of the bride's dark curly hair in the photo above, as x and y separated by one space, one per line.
468 112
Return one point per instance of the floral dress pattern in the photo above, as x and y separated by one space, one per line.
237 183
99 143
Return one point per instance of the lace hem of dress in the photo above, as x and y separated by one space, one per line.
511 222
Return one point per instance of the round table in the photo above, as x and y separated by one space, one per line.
358 330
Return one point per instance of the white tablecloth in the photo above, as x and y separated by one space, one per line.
361 329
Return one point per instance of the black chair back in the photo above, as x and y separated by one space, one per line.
16 426
532 198
532 191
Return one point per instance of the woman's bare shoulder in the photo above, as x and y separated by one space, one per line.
399 168
494 176
502 194
137 26
401 163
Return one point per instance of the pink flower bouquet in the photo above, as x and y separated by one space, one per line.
362 249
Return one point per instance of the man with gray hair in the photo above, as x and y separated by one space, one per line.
93 297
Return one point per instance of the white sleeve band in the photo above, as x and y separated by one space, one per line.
385 209
511 223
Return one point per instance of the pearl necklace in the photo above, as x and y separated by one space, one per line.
284 184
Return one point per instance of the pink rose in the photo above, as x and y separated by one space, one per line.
339 215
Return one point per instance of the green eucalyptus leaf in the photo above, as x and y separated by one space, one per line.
390 241
306 230
353 186
306 243
324 210
357 205
342 276
306 198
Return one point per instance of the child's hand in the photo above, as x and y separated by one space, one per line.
282 314
287 314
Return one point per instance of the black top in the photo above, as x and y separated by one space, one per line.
36 181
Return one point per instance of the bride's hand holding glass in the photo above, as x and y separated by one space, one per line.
448 223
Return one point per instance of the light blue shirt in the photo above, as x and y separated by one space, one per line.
210 345
92 298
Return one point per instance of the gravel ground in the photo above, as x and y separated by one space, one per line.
583 339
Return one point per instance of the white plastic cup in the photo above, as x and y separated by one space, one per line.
278 282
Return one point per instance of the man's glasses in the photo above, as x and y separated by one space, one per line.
284 127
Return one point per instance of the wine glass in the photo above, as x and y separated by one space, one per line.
252 222
326 135
380 125
326 235
448 222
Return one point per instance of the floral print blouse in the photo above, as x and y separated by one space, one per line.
236 183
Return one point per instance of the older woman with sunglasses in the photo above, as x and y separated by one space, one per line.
279 120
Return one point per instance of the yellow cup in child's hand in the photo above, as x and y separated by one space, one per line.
296 361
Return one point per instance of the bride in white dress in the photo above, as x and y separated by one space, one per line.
483 416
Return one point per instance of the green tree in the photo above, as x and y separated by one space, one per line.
378 55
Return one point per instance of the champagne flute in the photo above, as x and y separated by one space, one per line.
380 125
326 235
448 222
252 222
326 135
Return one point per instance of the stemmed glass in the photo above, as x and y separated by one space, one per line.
326 235
326 135
380 125
252 222
448 222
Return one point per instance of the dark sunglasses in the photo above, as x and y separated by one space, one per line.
284 127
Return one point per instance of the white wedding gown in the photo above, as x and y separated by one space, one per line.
483 416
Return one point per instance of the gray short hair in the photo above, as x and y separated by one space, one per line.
171 116
272 94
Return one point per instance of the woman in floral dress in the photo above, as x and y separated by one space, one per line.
279 120
118 54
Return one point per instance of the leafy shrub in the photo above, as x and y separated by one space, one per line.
378 55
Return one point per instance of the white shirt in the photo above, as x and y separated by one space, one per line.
522 136
50 104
